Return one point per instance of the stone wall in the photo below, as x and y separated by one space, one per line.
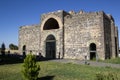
113 51
75 34
29 36
82 29
116 41
107 36
110 32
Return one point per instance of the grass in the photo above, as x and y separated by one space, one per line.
10 72
56 71
114 61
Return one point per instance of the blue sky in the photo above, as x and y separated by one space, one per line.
16 13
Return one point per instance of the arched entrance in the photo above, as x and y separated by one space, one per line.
50 47
92 51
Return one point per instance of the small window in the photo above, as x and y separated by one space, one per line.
24 50
24 47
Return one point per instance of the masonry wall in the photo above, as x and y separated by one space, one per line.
113 38
116 41
107 36
80 31
73 37
29 36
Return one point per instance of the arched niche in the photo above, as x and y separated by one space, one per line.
51 24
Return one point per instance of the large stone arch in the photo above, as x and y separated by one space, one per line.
52 17
57 33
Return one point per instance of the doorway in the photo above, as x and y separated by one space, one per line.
92 51
50 47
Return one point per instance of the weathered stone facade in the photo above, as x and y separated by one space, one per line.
71 35
29 36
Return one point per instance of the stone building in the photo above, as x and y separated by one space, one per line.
71 35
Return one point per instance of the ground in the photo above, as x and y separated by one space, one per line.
59 70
